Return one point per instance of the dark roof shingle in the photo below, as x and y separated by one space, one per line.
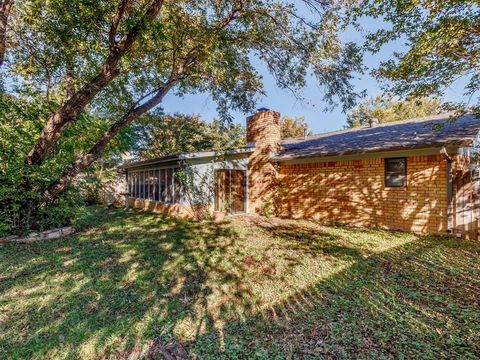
426 132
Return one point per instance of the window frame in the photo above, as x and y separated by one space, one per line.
386 172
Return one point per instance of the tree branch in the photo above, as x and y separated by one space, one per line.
178 72
134 112
74 106
5 7
52 193
116 21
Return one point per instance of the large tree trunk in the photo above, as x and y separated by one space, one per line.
75 105
5 7
53 192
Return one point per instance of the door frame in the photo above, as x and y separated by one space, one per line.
245 189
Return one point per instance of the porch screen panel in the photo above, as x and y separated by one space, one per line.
162 185
131 184
145 184
135 184
176 187
156 185
151 185
169 196
140 184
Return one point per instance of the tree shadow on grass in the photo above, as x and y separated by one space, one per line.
142 284
420 300
113 281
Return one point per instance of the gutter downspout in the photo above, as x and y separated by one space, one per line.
444 152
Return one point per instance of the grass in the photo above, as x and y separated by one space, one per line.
140 285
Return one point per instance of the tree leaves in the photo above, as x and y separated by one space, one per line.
385 109
442 44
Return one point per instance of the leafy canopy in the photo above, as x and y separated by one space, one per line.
385 110
293 127
210 44
160 135
441 40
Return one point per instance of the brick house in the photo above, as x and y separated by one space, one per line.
414 175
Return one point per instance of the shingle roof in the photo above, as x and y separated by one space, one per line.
400 135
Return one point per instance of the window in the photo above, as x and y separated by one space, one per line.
395 172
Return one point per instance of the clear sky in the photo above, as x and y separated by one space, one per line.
313 107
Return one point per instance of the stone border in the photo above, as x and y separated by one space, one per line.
44 235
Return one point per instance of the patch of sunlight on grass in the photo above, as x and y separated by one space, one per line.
127 256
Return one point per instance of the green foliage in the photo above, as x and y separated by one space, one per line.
226 38
293 127
441 44
267 208
159 135
385 109
21 186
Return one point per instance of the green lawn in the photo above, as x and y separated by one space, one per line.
137 284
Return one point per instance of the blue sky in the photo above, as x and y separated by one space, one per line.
312 108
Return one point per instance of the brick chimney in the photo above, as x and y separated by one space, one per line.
263 129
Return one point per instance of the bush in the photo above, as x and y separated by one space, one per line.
22 186
22 209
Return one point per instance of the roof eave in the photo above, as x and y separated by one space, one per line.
187 156
282 158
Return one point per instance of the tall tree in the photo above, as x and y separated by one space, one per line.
384 109
115 60
112 53
160 135
441 41
293 127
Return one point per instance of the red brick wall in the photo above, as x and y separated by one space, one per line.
263 128
353 192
